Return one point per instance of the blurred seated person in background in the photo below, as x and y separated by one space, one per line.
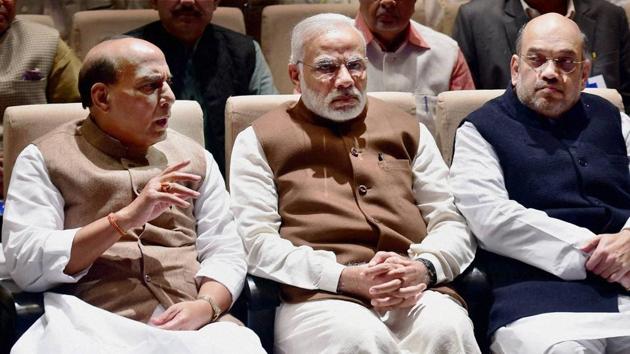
542 176
348 207
62 11
209 63
133 220
36 66
406 56
486 31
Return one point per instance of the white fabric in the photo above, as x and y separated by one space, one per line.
448 245
71 326
37 248
534 335
436 324
505 227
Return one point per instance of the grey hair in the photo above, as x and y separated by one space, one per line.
316 25
585 46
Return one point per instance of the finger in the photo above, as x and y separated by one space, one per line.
594 260
385 288
380 257
617 276
175 167
173 324
171 199
412 290
386 302
591 245
182 191
378 269
165 316
179 177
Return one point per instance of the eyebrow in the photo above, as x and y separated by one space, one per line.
562 51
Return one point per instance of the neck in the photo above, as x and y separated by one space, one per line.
390 42
546 6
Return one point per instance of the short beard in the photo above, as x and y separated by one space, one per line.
544 107
321 104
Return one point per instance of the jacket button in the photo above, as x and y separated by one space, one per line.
354 152
582 162
362 189
147 278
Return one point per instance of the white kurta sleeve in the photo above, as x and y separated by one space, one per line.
625 130
36 246
255 206
504 226
219 247
449 245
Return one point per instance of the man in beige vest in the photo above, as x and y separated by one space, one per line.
36 66
344 200
406 56
130 217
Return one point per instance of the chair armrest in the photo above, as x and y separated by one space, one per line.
256 307
18 311
474 286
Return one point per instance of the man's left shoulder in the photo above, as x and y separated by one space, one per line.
433 37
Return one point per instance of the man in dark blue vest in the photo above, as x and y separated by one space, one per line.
542 176
209 63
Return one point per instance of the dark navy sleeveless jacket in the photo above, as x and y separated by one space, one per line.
574 168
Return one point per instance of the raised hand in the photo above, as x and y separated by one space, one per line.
158 194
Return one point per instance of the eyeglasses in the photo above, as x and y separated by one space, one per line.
328 68
566 64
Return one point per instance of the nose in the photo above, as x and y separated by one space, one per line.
343 78
190 2
167 97
549 70
388 3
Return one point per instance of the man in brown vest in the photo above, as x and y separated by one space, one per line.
344 201
133 218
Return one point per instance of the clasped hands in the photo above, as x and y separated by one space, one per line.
389 281
610 257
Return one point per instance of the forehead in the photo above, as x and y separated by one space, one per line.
335 42
145 67
551 39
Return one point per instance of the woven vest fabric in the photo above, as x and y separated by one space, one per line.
95 175
223 61
27 51
574 168
343 187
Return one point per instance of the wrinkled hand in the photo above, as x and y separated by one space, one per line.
404 284
160 192
610 257
355 281
184 316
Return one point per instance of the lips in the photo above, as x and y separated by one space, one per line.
162 122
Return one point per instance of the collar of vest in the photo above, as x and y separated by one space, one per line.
110 145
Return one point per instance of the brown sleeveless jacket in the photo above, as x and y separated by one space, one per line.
343 187
96 175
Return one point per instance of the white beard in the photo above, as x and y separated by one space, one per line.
321 104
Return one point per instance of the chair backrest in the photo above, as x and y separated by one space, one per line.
41 19
24 124
454 106
241 111
91 27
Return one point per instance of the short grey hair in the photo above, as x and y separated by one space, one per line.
313 26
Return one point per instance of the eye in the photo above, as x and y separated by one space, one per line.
566 63
536 60
152 86
355 65
326 67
